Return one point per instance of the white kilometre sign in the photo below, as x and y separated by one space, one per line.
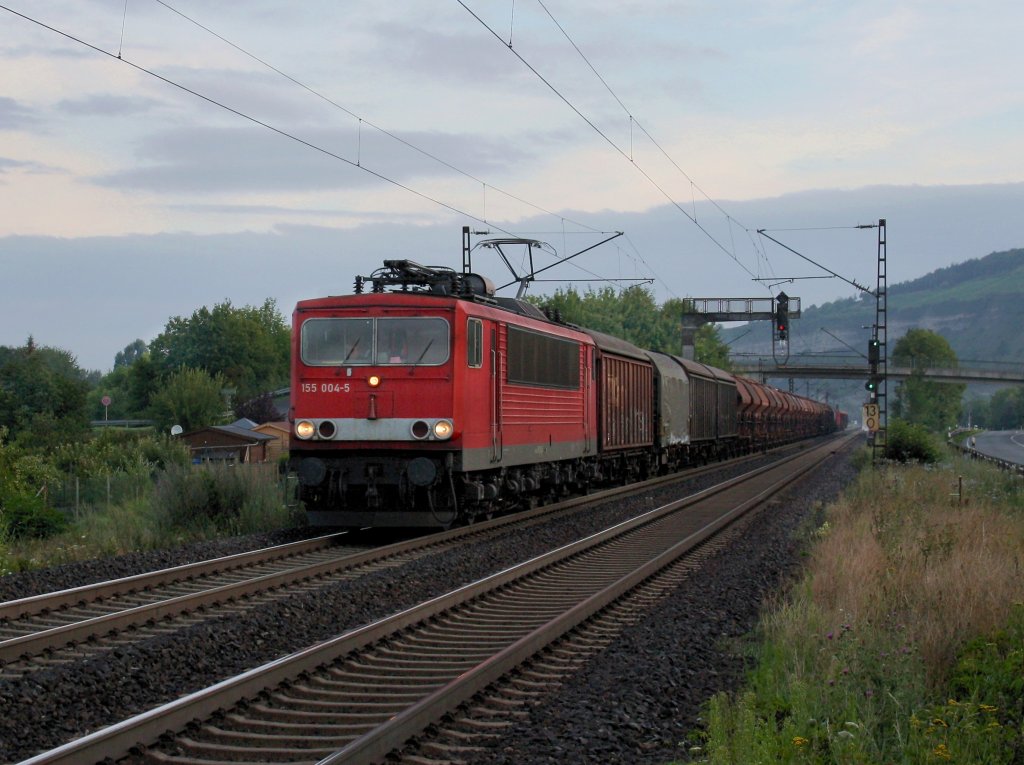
871 418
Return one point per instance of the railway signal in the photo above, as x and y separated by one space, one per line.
873 351
782 316
872 384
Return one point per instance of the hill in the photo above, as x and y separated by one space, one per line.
978 306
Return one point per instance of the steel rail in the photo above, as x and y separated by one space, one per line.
376 744
35 642
147 727
51 601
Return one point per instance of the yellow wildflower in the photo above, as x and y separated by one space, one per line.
799 741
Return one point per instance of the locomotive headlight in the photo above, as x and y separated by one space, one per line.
373 381
304 429
443 429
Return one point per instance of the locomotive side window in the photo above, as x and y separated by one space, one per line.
331 342
542 360
412 341
406 342
475 343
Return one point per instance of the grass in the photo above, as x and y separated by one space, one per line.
186 504
904 643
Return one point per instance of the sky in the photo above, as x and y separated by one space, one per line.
156 157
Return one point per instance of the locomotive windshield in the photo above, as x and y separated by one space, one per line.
398 341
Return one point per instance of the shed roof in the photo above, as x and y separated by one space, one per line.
244 435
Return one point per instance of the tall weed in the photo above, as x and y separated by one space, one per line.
904 641
216 498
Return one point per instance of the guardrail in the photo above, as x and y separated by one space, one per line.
971 453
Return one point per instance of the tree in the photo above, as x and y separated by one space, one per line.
978 412
260 409
131 352
934 405
23 508
633 315
40 384
131 388
191 398
710 349
249 347
1006 409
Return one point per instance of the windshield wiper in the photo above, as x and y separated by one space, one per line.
422 354
351 350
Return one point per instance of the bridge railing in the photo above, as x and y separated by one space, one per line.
963 370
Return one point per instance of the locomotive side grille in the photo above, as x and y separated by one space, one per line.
524 406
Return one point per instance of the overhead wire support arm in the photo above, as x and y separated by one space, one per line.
862 355
861 287
532 276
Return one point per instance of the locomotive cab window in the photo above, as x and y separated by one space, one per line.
414 341
332 342
399 341
475 343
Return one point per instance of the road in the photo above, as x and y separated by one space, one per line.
1005 445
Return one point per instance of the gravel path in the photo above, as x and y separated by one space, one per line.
57 704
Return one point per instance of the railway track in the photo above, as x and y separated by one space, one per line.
364 694
66 626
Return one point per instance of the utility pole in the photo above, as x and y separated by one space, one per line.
878 369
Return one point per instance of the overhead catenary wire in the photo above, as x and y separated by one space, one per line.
124 21
363 121
393 136
626 155
632 117
284 133
860 287
250 118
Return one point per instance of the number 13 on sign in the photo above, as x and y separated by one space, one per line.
870 414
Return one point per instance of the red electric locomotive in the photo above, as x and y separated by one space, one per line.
435 402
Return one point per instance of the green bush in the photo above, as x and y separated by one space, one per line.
911 443
112 451
24 516
223 498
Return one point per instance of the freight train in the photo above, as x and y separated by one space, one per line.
428 401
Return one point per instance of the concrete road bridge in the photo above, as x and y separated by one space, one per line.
849 368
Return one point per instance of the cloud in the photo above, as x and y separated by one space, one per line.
14 116
118 288
279 212
212 159
432 53
12 165
106 105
